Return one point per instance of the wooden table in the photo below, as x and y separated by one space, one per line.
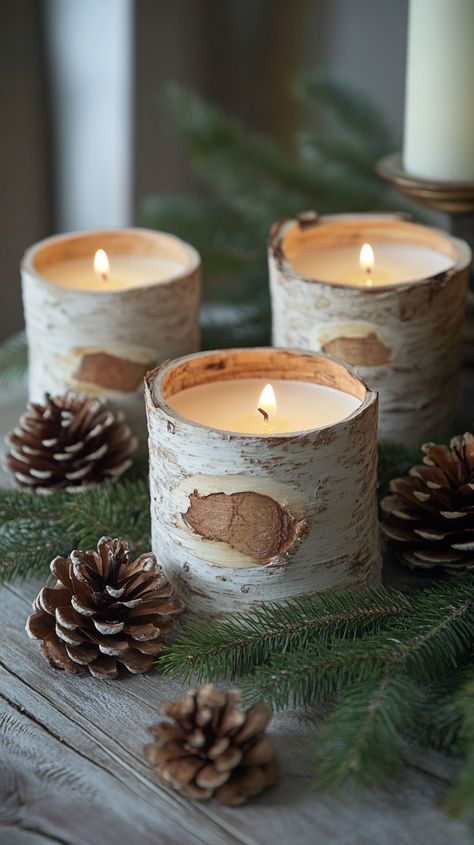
72 770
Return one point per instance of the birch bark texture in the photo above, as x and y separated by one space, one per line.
103 342
404 340
241 519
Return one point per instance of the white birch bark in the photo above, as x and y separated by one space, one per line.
104 342
242 519
405 340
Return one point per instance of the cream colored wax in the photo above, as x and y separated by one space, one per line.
126 271
394 263
233 406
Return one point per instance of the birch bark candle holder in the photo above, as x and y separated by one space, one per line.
99 333
238 518
402 330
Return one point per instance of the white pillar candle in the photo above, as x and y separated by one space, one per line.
245 516
397 316
288 406
439 115
101 307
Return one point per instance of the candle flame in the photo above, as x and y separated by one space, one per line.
267 401
366 258
101 264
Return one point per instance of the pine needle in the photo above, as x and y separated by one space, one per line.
13 359
363 740
428 637
459 801
234 647
34 529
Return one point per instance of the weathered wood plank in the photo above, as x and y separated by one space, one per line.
106 722
49 790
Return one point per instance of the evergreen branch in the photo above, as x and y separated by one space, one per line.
325 147
36 528
349 111
431 635
459 800
247 172
215 230
310 676
363 739
13 359
234 647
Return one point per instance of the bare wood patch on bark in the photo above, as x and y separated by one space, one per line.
250 522
111 372
368 351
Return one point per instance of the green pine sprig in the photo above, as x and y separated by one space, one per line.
234 647
381 660
13 359
34 529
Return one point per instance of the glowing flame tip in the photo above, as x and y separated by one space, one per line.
267 400
101 263
366 258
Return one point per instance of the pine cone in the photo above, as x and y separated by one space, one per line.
104 612
214 747
71 441
430 518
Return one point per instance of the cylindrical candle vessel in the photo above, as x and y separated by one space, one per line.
404 337
100 332
240 519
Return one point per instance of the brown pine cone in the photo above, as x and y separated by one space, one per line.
213 747
429 520
105 611
68 442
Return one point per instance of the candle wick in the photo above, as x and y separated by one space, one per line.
104 277
264 415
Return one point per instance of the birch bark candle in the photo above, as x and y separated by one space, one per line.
102 307
396 314
242 514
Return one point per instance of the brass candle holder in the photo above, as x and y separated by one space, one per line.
456 199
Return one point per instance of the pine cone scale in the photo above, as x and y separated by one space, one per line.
213 747
39 625
429 518
81 623
82 654
69 442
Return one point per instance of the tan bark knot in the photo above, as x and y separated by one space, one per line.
249 522
111 372
366 351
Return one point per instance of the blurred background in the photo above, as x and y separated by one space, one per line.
107 122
